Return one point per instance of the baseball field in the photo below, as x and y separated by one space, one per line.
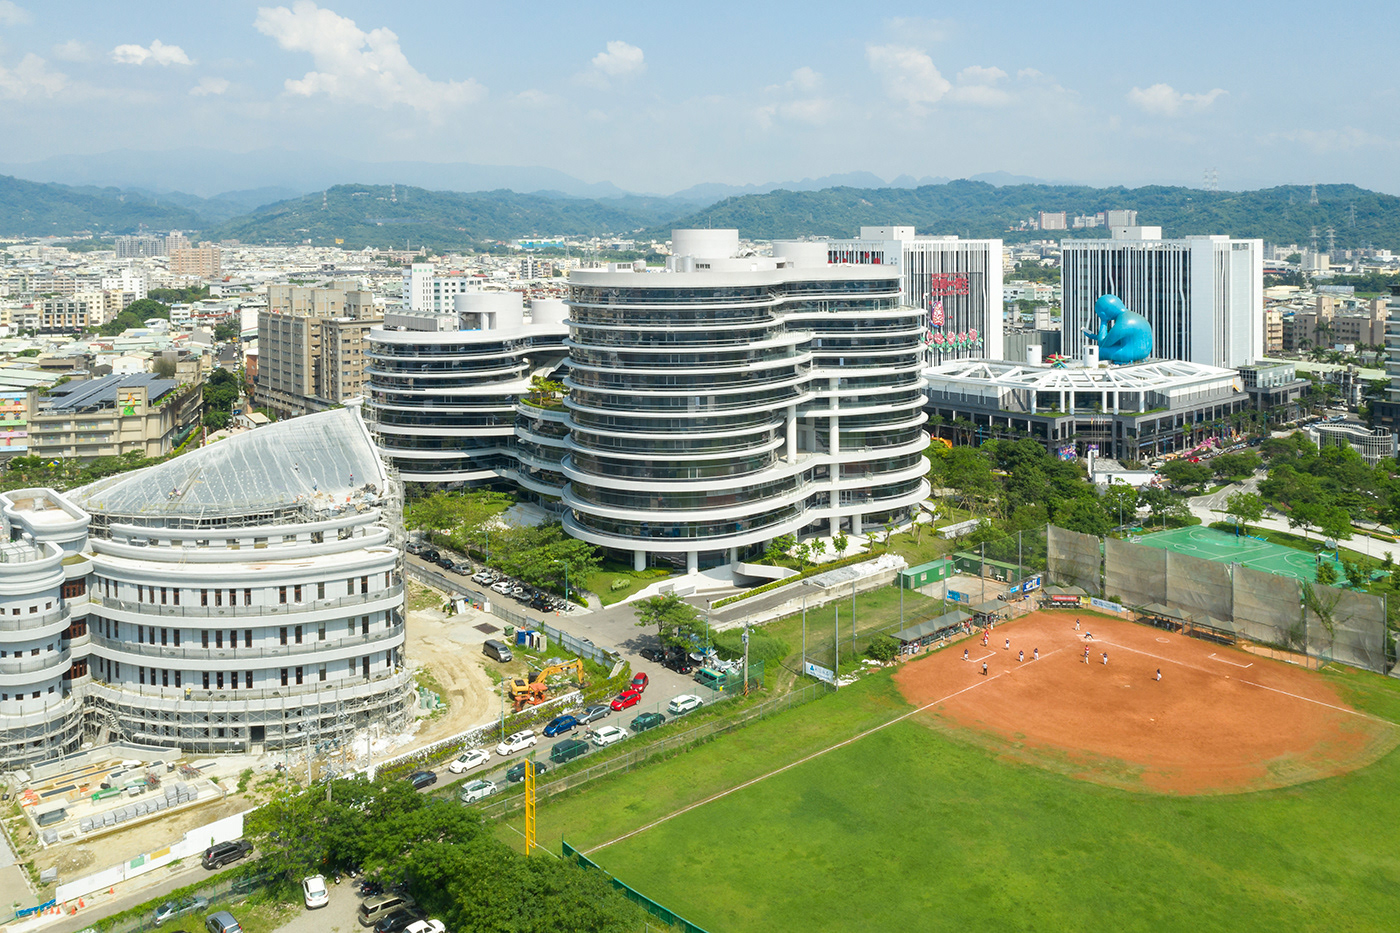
1235 793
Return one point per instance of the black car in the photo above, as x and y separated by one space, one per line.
679 663
221 854
516 774
446 563
422 779
397 921
655 655
647 721
430 555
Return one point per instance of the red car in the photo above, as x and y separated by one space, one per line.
639 683
625 699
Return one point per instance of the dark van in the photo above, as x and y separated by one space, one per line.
567 750
496 649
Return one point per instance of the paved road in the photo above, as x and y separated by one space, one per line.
131 896
339 916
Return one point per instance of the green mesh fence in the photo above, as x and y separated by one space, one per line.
659 911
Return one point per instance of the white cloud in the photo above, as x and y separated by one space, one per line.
157 54
73 51
30 78
909 75
1165 100
977 85
12 14
618 62
354 65
803 106
208 87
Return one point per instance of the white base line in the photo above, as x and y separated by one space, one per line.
1224 661
786 767
818 754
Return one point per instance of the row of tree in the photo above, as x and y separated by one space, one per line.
449 860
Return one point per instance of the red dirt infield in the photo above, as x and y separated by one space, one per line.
1219 720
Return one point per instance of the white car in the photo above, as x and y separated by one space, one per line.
314 890
477 790
425 926
464 762
503 588
683 704
604 736
518 742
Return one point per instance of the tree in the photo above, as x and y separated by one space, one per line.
1357 577
839 543
674 618
779 547
883 648
1335 523
542 555
1120 502
1244 507
1085 516
163 368
1184 473
1326 573
1236 465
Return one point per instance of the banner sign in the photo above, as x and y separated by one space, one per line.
1064 600
1105 604
940 284
821 673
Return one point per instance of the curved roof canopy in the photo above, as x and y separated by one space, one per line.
319 461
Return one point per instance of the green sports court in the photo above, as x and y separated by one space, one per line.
1264 556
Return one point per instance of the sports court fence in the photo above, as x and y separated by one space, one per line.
663 747
660 912
1231 601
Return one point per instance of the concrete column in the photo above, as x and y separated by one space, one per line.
857 524
639 561
835 446
734 555
792 434
692 561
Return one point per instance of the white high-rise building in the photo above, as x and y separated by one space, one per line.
965 275
729 400
1204 295
426 291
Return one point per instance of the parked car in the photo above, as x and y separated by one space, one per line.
425 926
518 742
567 750
503 588
593 713
561 724
222 922
604 736
375 909
656 655
516 774
640 681
684 704
477 790
483 577
646 721
422 779
625 699
679 663
430 555
473 758
314 892
396 921
221 854
172 909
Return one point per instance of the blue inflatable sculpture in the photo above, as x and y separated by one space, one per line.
1123 337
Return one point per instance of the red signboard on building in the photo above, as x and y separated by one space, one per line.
948 285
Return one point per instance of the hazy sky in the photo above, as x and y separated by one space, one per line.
659 96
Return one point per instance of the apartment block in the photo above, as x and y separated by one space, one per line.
113 415
201 261
311 346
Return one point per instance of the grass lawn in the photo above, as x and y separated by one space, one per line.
602 581
928 548
909 829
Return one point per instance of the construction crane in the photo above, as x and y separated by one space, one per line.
535 690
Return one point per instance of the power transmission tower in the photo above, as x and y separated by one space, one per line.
1313 237
1312 198
1331 240
1352 221
1211 180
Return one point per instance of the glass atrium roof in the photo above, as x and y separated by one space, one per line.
313 463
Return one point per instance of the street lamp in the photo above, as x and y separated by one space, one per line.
566 583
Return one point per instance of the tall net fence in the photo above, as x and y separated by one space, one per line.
1229 600
1074 559
656 909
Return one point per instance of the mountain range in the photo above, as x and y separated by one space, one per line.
392 214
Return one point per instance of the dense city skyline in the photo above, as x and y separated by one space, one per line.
655 100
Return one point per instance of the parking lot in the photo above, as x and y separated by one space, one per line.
339 916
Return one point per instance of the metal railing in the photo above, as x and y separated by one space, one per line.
232 653
315 605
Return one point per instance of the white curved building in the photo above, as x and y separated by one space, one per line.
249 594
730 400
43 638
443 404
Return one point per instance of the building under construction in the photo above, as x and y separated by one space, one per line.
246 596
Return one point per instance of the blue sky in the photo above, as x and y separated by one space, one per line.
657 97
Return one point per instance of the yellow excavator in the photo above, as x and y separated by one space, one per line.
535 690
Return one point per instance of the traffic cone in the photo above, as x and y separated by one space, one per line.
80 902
112 889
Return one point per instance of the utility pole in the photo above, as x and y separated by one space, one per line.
836 646
746 659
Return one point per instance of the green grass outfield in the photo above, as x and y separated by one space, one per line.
907 829
1216 545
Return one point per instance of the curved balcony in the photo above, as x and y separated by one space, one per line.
131 611
43 661
331 649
